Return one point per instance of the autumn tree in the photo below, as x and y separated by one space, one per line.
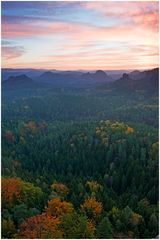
59 190
14 191
31 125
93 187
8 228
40 226
129 130
114 214
11 191
91 207
135 219
155 150
57 208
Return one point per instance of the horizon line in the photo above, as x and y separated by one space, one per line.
96 69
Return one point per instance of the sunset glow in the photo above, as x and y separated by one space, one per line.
80 35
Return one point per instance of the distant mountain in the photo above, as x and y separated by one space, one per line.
16 82
47 76
98 77
145 81
100 74
135 74
58 79
8 72
74 78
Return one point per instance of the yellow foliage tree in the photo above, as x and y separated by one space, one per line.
114 213
60 189
8 228
135 219
155 150
93 186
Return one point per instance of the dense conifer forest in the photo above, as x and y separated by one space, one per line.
80 162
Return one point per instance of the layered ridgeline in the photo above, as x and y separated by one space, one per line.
68 78
124 99
146 80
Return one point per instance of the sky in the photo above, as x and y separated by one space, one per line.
80 35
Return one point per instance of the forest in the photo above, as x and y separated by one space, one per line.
80 162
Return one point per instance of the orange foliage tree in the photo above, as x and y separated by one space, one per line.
41 226
15 190
92 207
58 208
90 229
10 190
31 125
129 130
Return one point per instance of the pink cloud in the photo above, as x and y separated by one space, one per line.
150 19
38 28
11 52
143 13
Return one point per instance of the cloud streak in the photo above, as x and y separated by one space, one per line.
11 51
